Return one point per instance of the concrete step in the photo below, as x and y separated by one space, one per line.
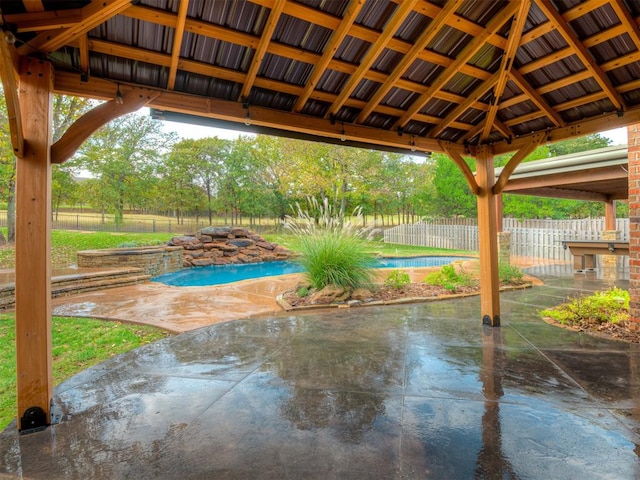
70 284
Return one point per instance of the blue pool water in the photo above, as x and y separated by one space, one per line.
219 274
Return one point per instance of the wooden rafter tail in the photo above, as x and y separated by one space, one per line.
453 154
91 121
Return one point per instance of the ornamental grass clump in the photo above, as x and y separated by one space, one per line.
331 258
609 306
331 250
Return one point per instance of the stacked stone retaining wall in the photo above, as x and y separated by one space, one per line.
152 260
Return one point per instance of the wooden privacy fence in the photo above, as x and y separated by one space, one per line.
529 238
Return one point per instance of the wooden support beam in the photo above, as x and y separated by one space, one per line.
514 161
536 98
33 5
8 76
83 49
506 64
472 98
336 39
261 49
70 83
91 121
41 20
581 52
372 54
93 14
467 52
419 45
33 247
455 156
487 238
610 215
177 43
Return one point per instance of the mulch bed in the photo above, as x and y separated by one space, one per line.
385 293
616 331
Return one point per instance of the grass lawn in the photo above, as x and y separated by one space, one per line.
78 343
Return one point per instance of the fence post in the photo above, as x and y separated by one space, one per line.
154 225
77 222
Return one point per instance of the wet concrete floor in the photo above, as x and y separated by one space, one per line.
396 392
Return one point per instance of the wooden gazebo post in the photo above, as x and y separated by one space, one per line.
487 238
30 106
33 247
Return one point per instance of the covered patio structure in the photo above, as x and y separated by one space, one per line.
469 78
600 175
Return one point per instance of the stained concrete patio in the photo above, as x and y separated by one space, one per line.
416 391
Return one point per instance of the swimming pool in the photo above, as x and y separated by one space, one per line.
221 274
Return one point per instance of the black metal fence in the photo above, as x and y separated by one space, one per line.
140 224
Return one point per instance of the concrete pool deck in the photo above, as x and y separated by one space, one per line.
419 391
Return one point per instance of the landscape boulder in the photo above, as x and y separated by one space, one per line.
227 245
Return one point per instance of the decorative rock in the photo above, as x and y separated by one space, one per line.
216 232
265 245
183 240
193 246
239 232
241 242
225 245
330 294
201 262
362 294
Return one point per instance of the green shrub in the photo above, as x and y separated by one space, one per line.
332 258
450 278
397 279
609 306
510 274
303 292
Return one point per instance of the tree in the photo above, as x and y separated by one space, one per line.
179 179
123 157
66 110
453 197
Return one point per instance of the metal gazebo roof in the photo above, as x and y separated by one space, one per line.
407 74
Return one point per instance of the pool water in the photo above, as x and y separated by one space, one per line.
221 274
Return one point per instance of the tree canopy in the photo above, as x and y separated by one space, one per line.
134 165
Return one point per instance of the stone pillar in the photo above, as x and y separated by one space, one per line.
633 142
610 260
504 248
